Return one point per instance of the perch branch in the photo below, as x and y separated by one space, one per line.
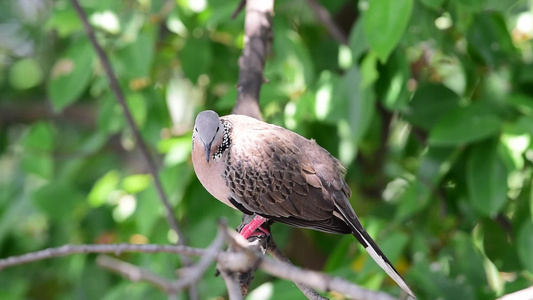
313 279
239 261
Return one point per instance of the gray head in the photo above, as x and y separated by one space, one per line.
209 129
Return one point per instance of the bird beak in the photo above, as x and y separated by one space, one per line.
207 151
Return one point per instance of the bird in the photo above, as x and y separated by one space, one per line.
280 176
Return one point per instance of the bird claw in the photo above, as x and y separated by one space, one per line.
254 228
259 232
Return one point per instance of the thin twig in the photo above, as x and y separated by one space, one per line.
308 291
116 249
135 273
324 17
150 163
239 8
117 91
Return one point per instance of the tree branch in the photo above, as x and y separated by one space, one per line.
257 41
244 258
313 279
116 249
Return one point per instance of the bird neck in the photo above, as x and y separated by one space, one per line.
226 140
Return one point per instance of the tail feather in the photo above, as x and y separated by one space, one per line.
372 248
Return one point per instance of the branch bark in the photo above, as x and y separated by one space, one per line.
257 42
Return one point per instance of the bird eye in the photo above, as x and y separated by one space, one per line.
196 129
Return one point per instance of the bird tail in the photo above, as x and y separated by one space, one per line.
372 248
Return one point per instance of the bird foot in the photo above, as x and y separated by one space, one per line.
254 228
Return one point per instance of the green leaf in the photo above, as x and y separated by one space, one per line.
70 75
384 24
361 104
436 163
64 20
179 152
40 137
357 40
110 116
392 84
465 125
136 58
137 106
522 102
57 200
486 178
136 183
196 57
464 248
369 71
472 5
489 39
524 244
25 74
103 187
429 104
40 164
433 4
500 247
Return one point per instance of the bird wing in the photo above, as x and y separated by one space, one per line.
283 176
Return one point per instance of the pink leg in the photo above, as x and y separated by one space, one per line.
249 230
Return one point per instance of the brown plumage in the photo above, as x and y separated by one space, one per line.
264 169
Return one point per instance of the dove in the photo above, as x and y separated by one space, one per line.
280 176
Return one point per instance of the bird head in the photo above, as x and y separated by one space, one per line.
208 131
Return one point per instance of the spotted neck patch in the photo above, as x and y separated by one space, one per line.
226 141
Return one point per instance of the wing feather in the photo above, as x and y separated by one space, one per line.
287 178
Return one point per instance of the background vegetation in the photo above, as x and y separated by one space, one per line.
429 104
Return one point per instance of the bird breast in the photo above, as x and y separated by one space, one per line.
210 174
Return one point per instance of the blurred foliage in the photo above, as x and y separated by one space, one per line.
430 105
